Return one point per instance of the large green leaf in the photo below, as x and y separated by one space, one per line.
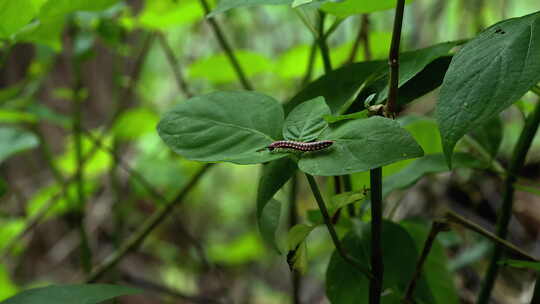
14 140
305 122
15 15
353 7
490 135
274 176
225 5
345 284
224 126
487 75
435 271
70 294
338 86
361 145
429 164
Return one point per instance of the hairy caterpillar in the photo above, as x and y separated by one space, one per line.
299 146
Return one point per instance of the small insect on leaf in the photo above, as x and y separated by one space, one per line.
299 146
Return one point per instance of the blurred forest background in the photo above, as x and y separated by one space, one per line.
94 81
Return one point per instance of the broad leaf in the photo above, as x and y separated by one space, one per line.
353 7
225 5
305 122
429 164
15 15
345 284
224 126
435 272
70 294
298 234
13 141
361 145
487 75
490 135
274 176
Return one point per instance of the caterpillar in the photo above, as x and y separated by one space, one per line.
298 145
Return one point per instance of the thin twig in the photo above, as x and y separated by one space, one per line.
173 63
362 37
226 48
436 227
453 217
293 220
310 65
505 212
335 239
377 266
144 230
393 60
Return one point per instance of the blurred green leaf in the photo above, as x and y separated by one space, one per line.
63 203
46 32
487 75
10 228
166 14
70 294
217 68
298 234
13 116
429 164
489 135
60 8
345 284
224 126
521 264
343 199
305 122
274 176
225 5
14 141
352 7
533 190
16 14
134 123
425 132
7 286
242 250
361 145
95 165
435 271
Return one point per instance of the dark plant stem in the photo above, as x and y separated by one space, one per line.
436 227
536 294
335 239
505 212
323 45
377 266
78 99
226 47
347 187
175 67
293 220
144 230
393 60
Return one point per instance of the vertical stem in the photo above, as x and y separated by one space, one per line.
436 227
505 212
226 48
335 239
323 46
393 60
362 37
293 220
347 187
311 64
377 267
173 63
79 175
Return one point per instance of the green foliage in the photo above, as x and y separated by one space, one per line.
7 287
490 135
135 123
436 272
521 264
274 176
14 141
225 5
353 7
345 284
304 123
69 294
166 14
95 165
487 75
16 14
361 145
212 128
10 229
